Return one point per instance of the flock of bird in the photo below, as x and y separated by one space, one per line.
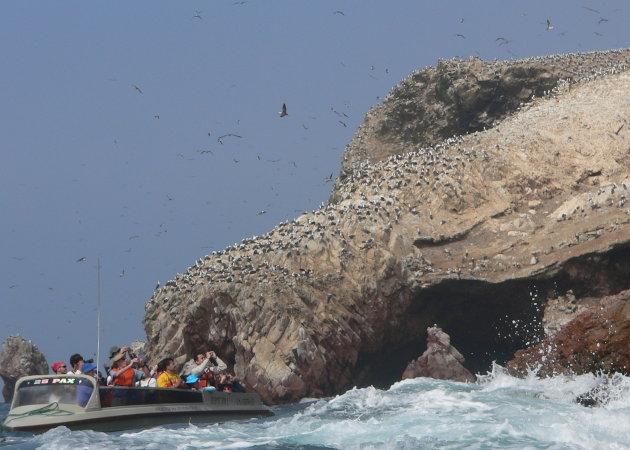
373 199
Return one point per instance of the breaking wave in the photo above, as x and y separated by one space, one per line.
499 411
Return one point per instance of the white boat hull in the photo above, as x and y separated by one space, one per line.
146 407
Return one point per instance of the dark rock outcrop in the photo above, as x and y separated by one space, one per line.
478 233
440 360
19 358
598 339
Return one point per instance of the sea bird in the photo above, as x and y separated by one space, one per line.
284 110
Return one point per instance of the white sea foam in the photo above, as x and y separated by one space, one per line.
499 411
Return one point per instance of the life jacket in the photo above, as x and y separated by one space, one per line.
125 378
207 379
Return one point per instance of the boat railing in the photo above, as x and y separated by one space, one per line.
112 396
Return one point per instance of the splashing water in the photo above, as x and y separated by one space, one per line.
499 411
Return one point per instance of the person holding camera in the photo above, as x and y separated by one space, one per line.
125 372
205 366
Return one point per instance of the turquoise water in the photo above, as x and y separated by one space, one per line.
497 412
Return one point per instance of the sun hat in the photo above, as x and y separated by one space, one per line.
56 365
191 379
88 367
117 357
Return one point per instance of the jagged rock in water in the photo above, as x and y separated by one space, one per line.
477 233
440 360
598 339
19 358
609 388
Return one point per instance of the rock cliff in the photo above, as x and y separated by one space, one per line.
19 358
596 340
432 220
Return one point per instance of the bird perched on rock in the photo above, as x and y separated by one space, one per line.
284 110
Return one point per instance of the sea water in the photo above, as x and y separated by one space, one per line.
499 411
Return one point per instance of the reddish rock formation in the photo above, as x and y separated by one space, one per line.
598 339
19 358
440 360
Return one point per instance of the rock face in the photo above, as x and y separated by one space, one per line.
598 339
19 358
478 233
458 97
440 360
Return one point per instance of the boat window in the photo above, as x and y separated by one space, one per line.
128 396
63 390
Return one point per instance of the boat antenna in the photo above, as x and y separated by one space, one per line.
98 314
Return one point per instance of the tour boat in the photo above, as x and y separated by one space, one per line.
42 402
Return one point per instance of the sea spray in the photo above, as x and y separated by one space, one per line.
499 411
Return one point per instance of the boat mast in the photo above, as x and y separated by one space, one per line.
98 314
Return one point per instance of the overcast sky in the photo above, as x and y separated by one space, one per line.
146 134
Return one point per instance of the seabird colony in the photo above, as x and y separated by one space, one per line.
374 196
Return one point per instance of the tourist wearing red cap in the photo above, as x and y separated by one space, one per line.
59 368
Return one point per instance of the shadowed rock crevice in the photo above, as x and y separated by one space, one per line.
489 322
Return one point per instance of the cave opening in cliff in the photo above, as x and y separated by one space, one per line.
489 322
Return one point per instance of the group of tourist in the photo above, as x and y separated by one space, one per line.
206 371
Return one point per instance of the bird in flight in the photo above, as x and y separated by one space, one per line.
82 259
339 12
549 25
590 9
284 110
197 15
137 88
220 138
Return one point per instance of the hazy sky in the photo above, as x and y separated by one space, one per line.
111 117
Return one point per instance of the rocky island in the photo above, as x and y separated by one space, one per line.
481 201
488 198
